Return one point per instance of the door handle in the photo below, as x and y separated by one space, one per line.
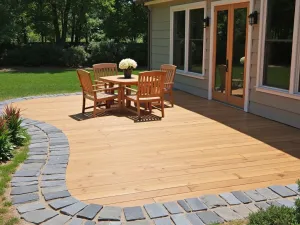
227 65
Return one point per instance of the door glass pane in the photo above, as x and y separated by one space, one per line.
278 45
179 39
196 40
238 52
221 51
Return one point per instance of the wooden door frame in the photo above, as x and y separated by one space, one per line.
249 47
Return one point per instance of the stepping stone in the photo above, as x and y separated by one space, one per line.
134 213
194 219
180 219
110 223
140 222
274 203
213 201
34 157
54 189
110 213
27 173
282 191
73 209
30 207
227 214
24 190
184 205
52 183
55 195
29 161
254 195
163 221
61 203
252 207
39 216
21 184
49 171
76 221
242 197
172 207
267 193
262 205
58 220
54 177
195 204
294 187
209 217
156 210
23 179
90 211
286 202
230 198
20 199
241 210
89 223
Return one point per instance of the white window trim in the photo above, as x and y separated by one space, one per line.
187 8
295 62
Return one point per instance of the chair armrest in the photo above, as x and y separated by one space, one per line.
106 89
130 89
169 83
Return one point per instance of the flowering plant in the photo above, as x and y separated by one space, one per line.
242 60
127 64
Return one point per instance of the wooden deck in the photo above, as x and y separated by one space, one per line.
200 147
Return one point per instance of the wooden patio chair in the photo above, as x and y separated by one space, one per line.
169 80
95 93
104 70
150 91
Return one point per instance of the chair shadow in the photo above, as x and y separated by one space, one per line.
89 115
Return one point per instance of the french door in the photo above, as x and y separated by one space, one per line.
230 51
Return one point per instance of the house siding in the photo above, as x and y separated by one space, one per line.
274 107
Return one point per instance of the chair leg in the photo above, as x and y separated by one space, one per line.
83 105
150 107
138 110
171 98
95 109
162 108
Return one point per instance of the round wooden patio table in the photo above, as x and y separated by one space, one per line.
122 83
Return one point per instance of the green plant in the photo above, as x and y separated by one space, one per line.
6 146
13 121
274 216
75 56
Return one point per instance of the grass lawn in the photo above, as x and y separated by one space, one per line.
37 81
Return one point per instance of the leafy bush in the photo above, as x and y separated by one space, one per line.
13 122
6 146
75 56
274 216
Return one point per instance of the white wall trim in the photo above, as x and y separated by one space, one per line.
249 44
295 62
187 8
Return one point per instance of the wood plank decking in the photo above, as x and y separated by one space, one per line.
200 147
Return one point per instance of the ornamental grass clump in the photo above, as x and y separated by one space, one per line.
6 146
12 116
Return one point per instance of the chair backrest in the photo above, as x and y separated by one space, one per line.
104 70
222 73
171 71
151 84
85 81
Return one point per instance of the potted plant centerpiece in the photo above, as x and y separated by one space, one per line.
127 65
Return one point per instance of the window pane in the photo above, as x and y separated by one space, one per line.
299 84
179 38
278 45
196 40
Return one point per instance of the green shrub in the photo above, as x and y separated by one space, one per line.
75 56
274 216
105 51
13 122
6 146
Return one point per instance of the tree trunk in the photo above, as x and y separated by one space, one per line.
73 27
65 21
55 23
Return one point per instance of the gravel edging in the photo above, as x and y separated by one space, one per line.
41 196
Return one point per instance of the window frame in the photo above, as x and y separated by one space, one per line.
187 8
293 91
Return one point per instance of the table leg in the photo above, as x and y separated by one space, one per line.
128 92
109 103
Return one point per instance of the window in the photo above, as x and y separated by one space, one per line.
280 46
187 40
179 39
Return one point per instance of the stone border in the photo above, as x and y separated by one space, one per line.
40 194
